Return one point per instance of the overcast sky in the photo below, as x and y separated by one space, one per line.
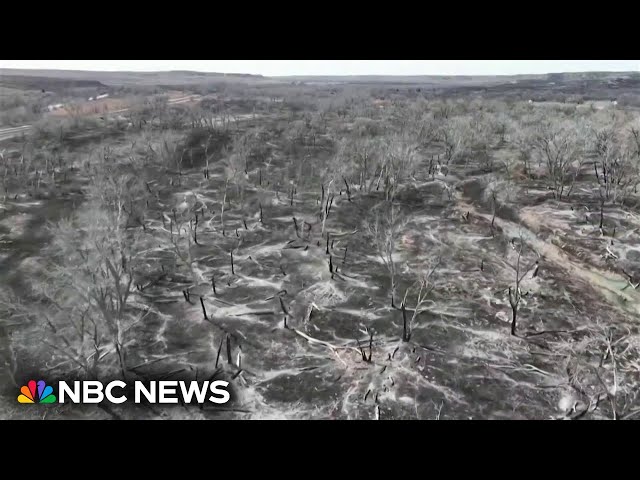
338 67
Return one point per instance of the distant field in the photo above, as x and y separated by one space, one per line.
10 91
81 78
26 82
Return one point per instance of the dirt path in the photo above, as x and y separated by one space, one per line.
606 283
7 133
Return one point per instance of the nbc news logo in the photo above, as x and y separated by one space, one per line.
93 391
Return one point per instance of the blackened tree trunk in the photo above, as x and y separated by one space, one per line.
406 333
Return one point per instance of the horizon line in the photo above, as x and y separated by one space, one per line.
321 75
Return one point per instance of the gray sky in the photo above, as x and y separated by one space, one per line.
338 67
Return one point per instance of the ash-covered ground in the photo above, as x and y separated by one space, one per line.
334 254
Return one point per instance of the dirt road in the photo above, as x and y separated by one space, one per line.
7 133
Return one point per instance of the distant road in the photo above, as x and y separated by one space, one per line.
7 133
171 101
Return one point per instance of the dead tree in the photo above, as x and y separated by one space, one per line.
193 229
515 292
182 245
326 204
234 165
364 152
295 225
348 189
635 142
598 372
224 201
453 139
425 287
494 207
384 232
366 358
233 272
398 159
90 277
204 310
559 149
206 156
616 172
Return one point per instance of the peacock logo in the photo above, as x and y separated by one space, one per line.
38 392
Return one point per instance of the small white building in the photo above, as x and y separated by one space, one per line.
104 95
57 106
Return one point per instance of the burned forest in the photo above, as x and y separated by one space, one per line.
332 250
